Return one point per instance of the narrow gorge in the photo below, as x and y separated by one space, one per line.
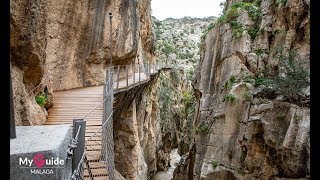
232 103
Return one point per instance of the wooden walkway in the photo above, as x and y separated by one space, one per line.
76 103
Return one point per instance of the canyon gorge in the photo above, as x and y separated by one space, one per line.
235 103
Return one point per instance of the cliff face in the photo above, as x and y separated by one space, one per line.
177 43
143 136
251 84
136 129
65 44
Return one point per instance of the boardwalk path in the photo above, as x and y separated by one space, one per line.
75 103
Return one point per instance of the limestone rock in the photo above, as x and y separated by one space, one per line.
63 44
247 132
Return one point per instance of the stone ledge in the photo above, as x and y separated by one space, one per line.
50 140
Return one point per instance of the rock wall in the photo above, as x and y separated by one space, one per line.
58 45
144 136
245 129
137 130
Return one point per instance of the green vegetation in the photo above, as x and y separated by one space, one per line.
257 3
187 55
281 2
41 99
174 73
237 29
288 79
203 128
229 98
253 31
297 118
228 84
253 10
188 100
264 77
231 14
158 23
215 164
247 96
292 79
221 19
222 4
158 33
281 116
242 157
259 52
166 91
262 81
189 74
168 48
205 32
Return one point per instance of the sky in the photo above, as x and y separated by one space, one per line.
163 9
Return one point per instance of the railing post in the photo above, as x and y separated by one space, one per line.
79 150
118 74
134 73
107 144
139 72
127 75
149 70
154 68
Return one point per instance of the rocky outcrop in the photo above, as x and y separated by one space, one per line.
149 121
143 138
57 45
28 58
137 132
248 124
185 168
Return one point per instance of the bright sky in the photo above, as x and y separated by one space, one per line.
163 9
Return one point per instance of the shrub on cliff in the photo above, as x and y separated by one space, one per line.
289 80
292 77
41 99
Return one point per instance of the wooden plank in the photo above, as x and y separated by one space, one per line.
93 148
93 156
96 172
76 103
97 165
97 178
93 143
94 138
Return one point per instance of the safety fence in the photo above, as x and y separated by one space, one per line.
94 156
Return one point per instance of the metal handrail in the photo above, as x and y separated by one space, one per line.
127 85
148 70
